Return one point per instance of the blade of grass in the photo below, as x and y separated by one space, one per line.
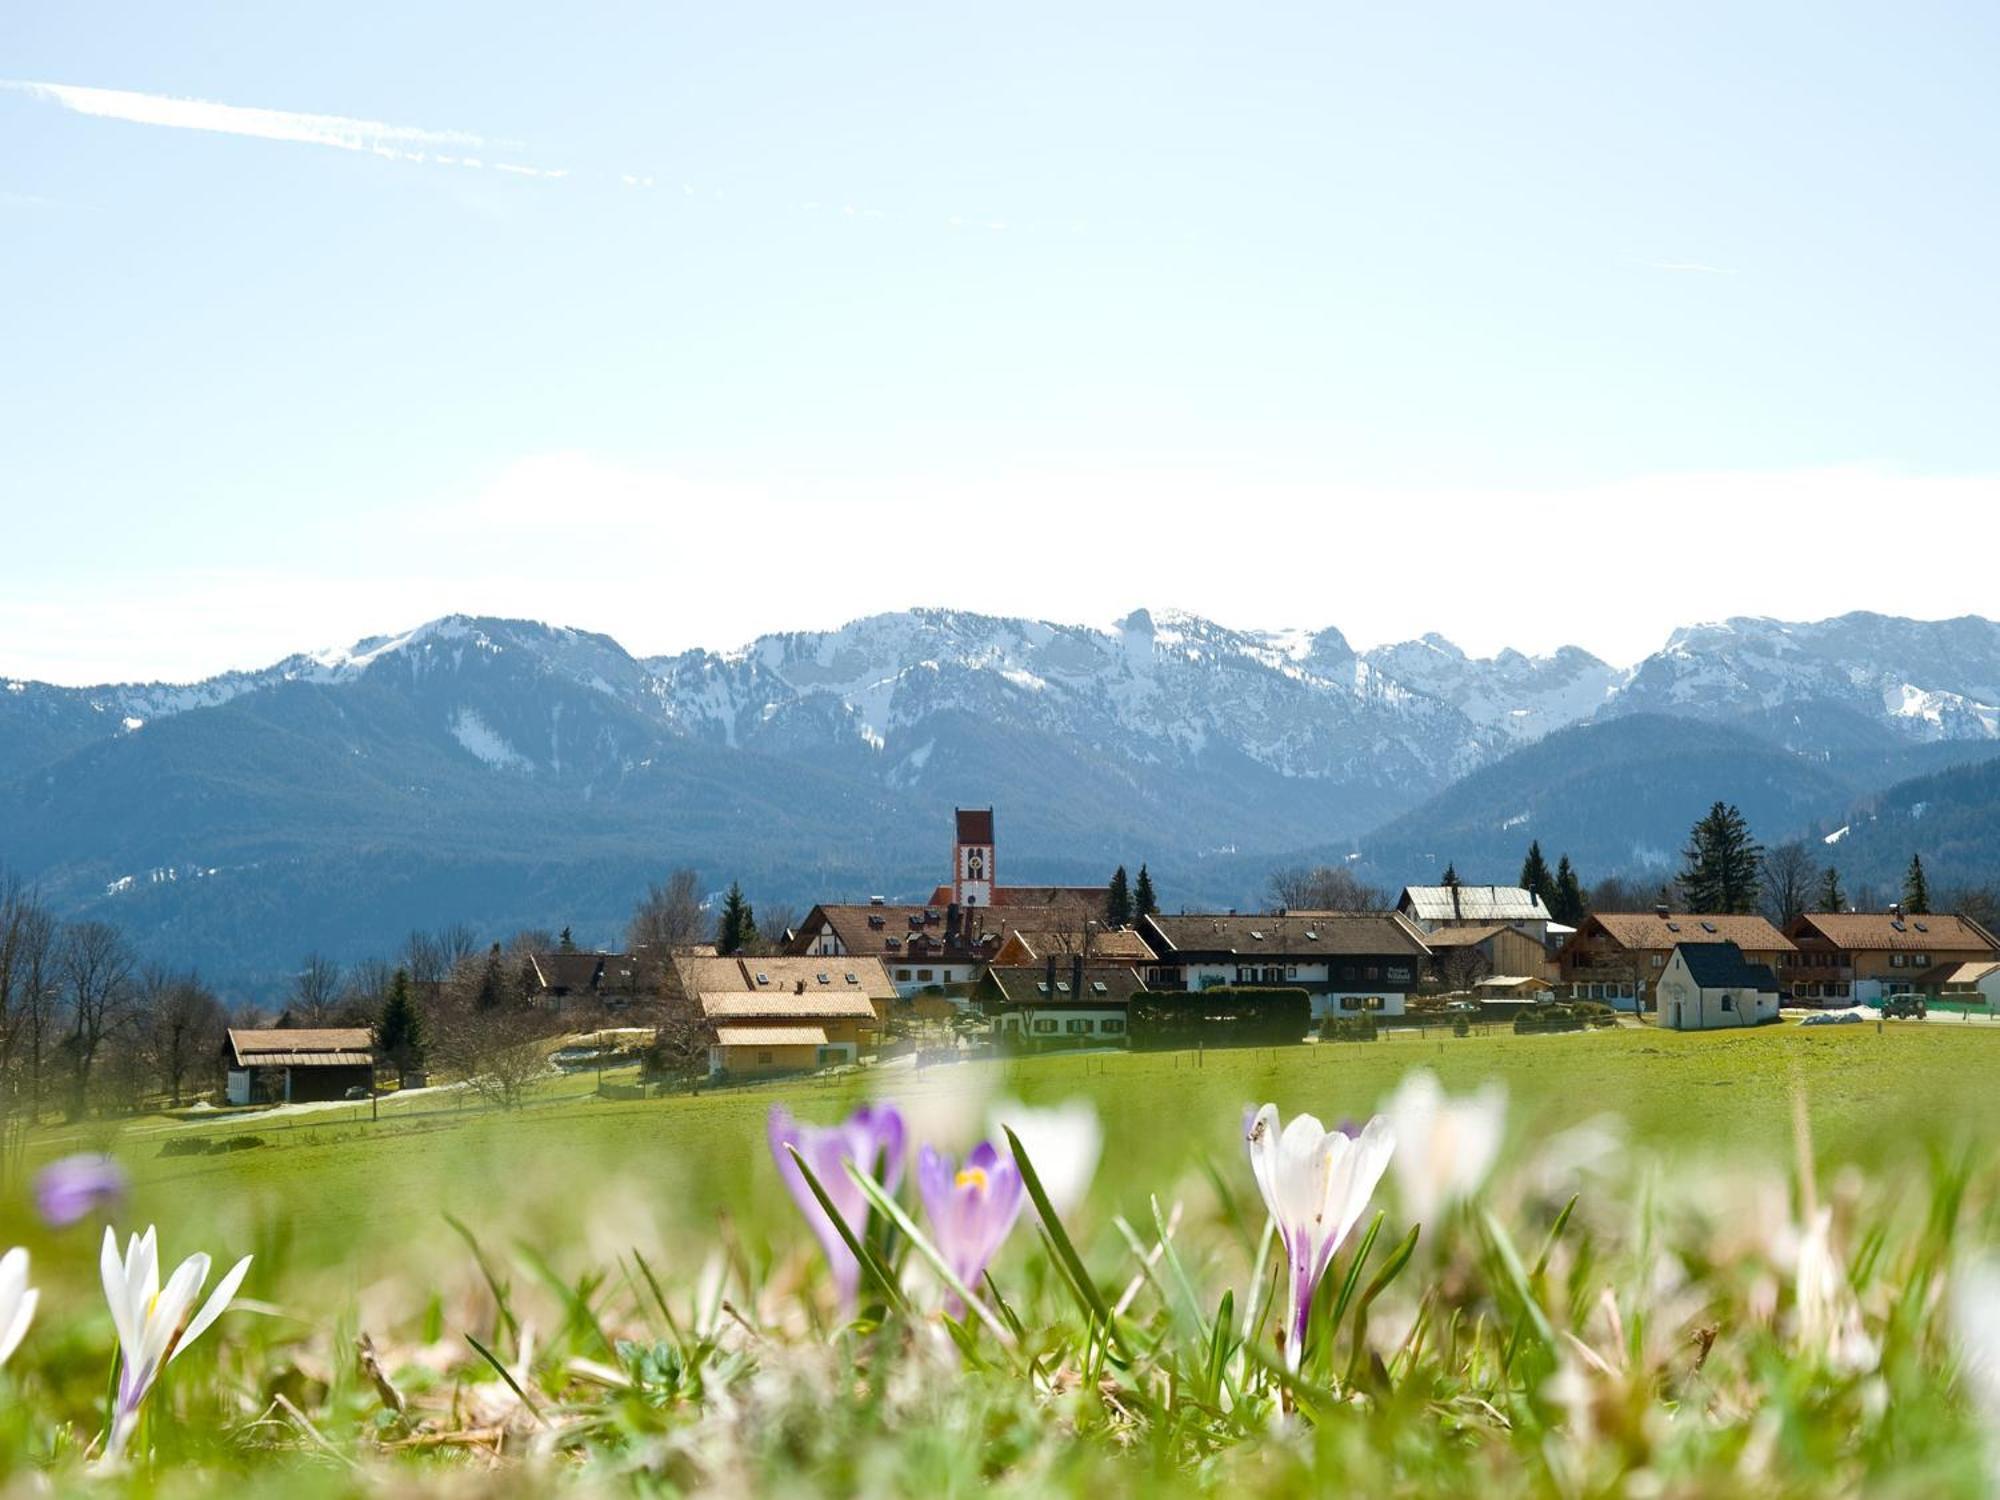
1066 1255
877 1272
920 1242
500 1293
508 1376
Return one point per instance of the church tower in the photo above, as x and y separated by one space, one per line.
972 859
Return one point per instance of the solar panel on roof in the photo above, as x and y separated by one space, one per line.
1708 927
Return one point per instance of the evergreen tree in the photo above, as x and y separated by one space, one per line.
399 1033
1916 889
565 943
1568 907
1535 877
1144 903
1450 874
1721 873
738 927
492 992
1831 897
1118 901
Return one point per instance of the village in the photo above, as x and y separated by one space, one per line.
983 967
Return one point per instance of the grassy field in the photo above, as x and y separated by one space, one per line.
350 1220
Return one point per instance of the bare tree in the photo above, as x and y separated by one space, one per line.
184 1029
1462 966
27 1001
499 1053
669 915
1790 879
1614 893
774 920
95 964
1979 902
680 1042
315 991
1323 888
424 960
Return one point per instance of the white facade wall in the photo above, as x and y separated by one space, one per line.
1684 1005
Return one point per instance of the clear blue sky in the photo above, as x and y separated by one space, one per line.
1527 323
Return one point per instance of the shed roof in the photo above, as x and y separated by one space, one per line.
301 1046
1474 903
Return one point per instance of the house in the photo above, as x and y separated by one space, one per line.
1059 1002
949 947
1970 984
1463 956
297 1064
1436 908
1097 944
1856 956
565 979
1345 961
975 877
785 1014
1709 986
1618 957
1523 988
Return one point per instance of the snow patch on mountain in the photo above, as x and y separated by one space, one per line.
480 739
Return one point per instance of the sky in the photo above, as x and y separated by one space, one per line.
1524 323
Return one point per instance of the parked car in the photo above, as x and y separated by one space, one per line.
1904 1007
1461 1007
359 1091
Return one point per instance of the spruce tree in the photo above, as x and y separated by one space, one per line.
1831 897
1720 876
1535 877
1916 889
738 927
565 943
492 992
1118 900
1450 874
399 1032
1568 906
1144 904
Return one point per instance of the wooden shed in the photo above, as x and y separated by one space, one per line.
298 1064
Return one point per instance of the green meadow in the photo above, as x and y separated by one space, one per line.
598 1295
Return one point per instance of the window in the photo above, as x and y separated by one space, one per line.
1659 960
1045 1026
1728 1002
902 973
1112 1025
1625 990
923 974
1895 960
1291 971
1920 960
1078 1028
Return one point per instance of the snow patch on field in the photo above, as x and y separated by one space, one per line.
480 739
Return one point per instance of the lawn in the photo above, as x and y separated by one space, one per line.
351 1221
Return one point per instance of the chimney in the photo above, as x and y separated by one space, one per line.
1896 909
1076 976
1663 911
1050 982
798 987
951 923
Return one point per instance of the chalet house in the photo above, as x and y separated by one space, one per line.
1059 1003
1439 908
1848 957
1618 957
1709 986
1479 952
1346 961
919 946
297 1064
785 1014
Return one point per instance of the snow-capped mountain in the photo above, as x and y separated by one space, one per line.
1914 680
512 772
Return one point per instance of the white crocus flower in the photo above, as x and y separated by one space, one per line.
1445 1146
1064 1142
1975 1310
17 1301
1316 1183
154 1323
1829 1316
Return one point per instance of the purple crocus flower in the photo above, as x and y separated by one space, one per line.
72 1189
871 1138
970 1209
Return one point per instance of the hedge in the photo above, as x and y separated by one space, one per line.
1225 1016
